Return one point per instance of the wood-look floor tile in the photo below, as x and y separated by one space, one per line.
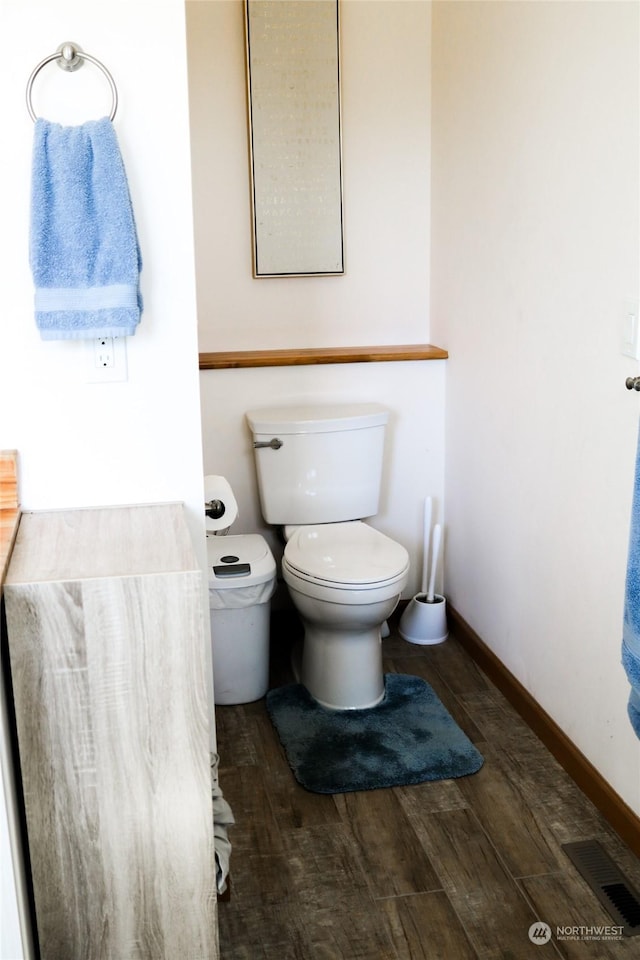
260 933
292 805
261 880
491 909
256 829
235 744
267 744
419 668
565 900
562 801
431 797
458 671
305 867
314 899
324 865
296 807
426 927
353 928
384 835
395 646
507 818
317 911
562 811
499 723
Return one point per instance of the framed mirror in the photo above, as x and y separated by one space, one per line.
293 87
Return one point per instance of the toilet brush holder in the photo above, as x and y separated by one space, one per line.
423 622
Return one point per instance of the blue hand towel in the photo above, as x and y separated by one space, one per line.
84 254
631 629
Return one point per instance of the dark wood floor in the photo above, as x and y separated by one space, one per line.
452 870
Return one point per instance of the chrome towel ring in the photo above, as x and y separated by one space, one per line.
70 57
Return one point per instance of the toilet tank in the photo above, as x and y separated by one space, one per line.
328 465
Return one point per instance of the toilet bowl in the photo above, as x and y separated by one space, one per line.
345 580
319 470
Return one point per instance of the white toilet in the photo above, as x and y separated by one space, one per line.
319 470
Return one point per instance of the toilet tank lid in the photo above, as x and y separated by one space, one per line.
316 418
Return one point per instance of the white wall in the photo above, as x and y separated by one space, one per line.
383 296
86 444
534 252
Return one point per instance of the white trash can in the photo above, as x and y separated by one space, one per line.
242 580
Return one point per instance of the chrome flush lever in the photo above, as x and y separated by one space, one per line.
214 509
275 444
632 383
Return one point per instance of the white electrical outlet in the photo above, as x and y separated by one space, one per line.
106 359
629 332
104 352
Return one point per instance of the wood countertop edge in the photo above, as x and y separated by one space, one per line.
9 508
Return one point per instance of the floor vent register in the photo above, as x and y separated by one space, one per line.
607 881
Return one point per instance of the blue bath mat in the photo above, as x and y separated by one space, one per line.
408 738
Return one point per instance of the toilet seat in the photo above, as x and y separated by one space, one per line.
348 556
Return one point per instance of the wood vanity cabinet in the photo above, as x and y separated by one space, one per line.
107 653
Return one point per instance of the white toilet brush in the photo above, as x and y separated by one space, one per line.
435 552
424 620
428 509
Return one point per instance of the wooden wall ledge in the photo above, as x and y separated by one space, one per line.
297 358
